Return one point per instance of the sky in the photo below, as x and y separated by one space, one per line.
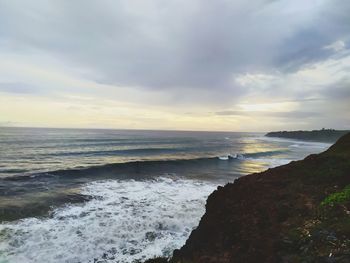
177 64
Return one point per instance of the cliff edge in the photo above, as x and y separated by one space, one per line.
299 212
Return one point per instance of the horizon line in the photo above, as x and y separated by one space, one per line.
169 130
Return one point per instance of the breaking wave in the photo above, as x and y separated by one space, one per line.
159 166
126 221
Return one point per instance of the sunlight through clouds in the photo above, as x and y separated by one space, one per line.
174 64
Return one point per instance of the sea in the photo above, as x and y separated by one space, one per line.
93 195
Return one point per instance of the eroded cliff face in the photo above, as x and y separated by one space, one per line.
280 215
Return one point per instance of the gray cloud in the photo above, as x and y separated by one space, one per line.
176 45
230 113
296 114
339 91
20 88
287 114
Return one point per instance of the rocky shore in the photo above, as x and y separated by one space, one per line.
299 212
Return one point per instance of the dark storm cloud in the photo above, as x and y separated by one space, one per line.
176 46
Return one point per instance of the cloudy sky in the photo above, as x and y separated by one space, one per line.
177 64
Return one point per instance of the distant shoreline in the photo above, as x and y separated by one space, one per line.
324 135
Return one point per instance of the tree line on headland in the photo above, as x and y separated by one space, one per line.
323 135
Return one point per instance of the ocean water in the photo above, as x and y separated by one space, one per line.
70 195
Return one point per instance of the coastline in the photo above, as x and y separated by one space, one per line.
106 197
324 135
279 215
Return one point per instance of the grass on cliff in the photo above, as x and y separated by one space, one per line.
338 197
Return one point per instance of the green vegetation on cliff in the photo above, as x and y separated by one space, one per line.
338 197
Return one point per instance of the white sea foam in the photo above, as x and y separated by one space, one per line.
125 222
231 156
227 157
316 145
296 142
224 158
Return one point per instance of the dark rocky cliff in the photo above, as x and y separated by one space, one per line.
299 212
